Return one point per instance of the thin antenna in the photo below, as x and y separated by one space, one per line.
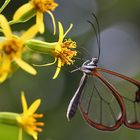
99 40
96 36
97 33
84 49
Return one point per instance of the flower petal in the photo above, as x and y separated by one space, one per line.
61 32
33 134
22 10
33 107
40 21
5 26
23 101
71 25
25 66
58 68
48 64
4 68
3 77
53 20
30 33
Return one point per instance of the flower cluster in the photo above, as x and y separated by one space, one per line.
13 51
13 47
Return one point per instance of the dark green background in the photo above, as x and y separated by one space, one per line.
56 94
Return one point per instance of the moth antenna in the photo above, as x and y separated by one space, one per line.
97 33
99 37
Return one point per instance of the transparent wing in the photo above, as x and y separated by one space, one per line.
101 105
129 89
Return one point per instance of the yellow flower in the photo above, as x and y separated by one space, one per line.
12 48
5 68
28 119
61 50
38 7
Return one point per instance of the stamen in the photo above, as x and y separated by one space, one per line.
39 123
38 115
38 129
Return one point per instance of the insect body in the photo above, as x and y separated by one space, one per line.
90 70
87 68
105 104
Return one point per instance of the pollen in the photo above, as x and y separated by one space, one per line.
66 54
45 5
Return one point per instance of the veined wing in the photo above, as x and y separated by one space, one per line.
129 90
100 104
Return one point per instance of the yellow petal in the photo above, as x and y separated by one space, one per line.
3 77
5 27
58 69
1 47
48 64
4 68
30 33
53 21
22 10
25 66
61 32
24 103
71 25
40 21
34 106
33 134
5 63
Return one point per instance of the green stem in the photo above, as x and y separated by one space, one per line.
20 134
15 22
4 5
8 118
40 46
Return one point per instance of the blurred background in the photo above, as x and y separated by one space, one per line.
120 51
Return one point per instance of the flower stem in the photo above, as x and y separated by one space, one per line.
8 118
4 5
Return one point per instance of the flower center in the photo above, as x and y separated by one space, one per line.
45 5
66 54
29 123
12 47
